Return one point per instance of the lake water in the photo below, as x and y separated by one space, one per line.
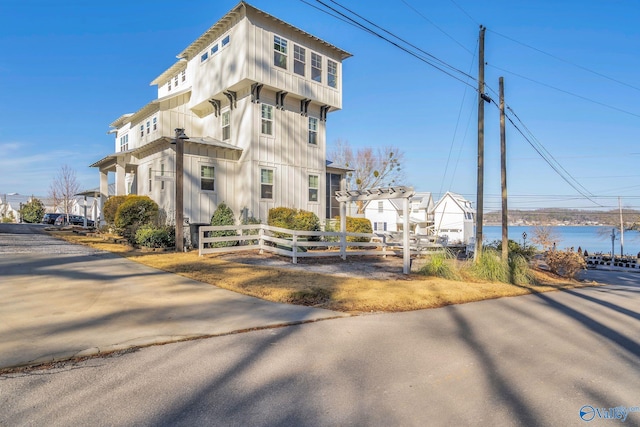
590 238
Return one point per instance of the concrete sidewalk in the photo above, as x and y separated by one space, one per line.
58 305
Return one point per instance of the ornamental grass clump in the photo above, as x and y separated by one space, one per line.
490 266
441 264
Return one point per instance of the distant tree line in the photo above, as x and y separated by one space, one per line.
551 216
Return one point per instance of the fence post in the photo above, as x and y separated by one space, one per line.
261 238
343 230
200 243
294 248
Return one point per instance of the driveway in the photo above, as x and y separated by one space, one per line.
61 300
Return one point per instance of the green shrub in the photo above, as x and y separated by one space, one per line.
133 213
441 264
223 215
152 236
514 248
293 219
281 217
250 221
32 211
8 217
111 207
358 225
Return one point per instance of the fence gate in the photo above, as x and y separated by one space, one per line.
381 193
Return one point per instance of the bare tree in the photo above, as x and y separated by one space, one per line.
63 189
545 237
371 168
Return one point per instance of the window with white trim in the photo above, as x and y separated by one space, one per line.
204 57
207 178
267 119
214 49
379 226
150 178
141 130
175 81
279 52
155 124
266 183
162 174
299 59
124 142
184 75
226 125
148 127
226 40
313 188
313 130
316 67
332 73
169 85
380 207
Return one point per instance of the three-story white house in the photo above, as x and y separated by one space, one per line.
252 94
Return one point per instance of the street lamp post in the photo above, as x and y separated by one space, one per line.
179 203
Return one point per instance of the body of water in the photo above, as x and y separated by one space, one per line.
590 238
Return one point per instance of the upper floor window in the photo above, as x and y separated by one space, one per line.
316 67
155 124
124 142
279 52
313 130
225 41
150 178
184 75
332 73
299 59
207 178
313 188
162 174
380 207
175 81
266 183
148 127
267 119
226 125
214 49
204 57
141 130
169 85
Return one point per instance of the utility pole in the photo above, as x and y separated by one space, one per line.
621 228
179 202
503 176
480 190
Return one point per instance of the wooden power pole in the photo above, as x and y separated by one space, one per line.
503 176
480 191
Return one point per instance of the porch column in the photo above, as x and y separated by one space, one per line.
121 185
104 193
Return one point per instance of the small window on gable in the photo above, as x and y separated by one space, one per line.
175 81
380 207
332 73
279 52
267 119
225 41
316 67
266 183
226 125
299 59
207 178
313 130
313 188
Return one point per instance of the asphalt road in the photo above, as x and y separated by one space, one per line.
553 359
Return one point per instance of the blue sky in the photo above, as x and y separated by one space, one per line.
70 68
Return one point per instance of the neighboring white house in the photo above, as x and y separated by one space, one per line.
387 214
453 218
252 94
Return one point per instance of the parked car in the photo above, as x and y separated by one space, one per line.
50 218
73 220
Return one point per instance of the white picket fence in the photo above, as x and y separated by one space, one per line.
296 244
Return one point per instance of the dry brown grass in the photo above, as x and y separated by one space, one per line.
348 294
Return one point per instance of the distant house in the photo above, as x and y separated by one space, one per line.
453 218
388 214
10 205
252 94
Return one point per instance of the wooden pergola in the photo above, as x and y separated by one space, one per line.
382 193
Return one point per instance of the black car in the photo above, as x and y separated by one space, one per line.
73 220
50 218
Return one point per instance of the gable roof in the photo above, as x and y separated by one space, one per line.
461 202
